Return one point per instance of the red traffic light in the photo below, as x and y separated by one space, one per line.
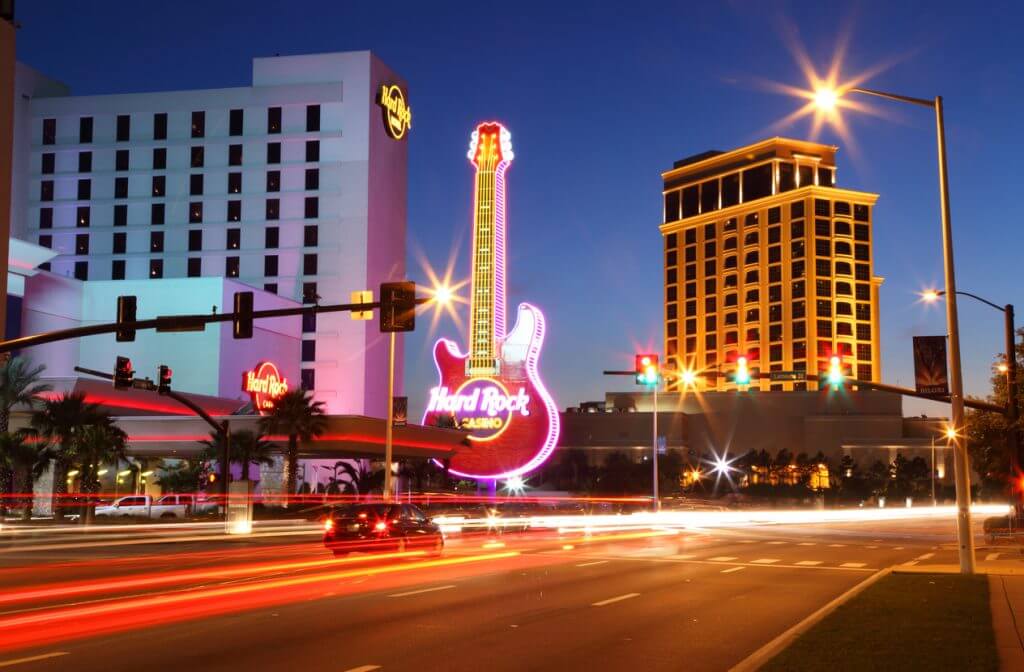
646 369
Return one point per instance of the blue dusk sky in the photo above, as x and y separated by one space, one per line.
600 99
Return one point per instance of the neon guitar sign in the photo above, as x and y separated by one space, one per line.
494 390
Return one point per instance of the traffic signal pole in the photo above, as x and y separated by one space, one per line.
657 500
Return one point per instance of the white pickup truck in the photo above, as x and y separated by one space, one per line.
143 506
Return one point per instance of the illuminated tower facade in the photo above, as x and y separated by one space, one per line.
765 258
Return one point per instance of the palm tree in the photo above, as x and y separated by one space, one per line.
19 385
181 477
298 416
247 447
26 459
95 444
59 422
361 479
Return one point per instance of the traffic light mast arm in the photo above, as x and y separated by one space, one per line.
176 322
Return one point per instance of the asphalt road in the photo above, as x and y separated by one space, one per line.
617 600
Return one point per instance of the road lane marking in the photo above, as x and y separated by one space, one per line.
911 563
992 556
732 569
611 600
807 543
723 558
925 556
748 541
32 659
837 545
777 543
681 556
421 591
872 546
764 561
853 564
591 564
897 548
364 668
809 563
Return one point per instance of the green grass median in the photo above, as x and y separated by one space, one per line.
903 622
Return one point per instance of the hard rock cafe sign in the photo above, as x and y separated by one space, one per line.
397 115
265 385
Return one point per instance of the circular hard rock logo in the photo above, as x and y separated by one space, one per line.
397 115
483 406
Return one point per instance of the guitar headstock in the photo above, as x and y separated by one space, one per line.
489 145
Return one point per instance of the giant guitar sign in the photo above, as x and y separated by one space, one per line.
494 390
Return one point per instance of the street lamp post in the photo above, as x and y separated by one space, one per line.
961 463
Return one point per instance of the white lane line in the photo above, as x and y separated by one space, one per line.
422 590
748 541
680 556
837 545
764 561
872 547
809 563
911 563
591 564
853 564
992 556
807 543
723 558
732 569
897 548
363 668
611 600
31 659
925 556
777 543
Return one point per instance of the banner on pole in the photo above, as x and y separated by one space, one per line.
931 375
399 411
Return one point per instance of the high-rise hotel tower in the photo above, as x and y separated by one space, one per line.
765 258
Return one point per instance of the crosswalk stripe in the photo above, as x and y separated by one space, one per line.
764 561
853 564
723 558
809 563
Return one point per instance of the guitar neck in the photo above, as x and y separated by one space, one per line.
483 346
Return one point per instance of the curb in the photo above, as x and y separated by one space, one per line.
758 658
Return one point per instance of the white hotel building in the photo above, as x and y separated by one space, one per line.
292 185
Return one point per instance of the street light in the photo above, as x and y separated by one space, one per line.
961 463
1009 367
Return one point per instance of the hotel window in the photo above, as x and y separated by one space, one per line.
757 182
730 281
48 163
730 262
709 232
195 267
234 239
822 227
864 333
864 311
82 243
236 120
311 235
751 258
160 158
84 190
799 309
752 277
752 315
753 296
843 248
195 213
312 150
124 126
312 118
844 329
825 177
159 185
156 241
750 238
864 351
796 229
863 372
690 202
308 351
117 269
822 247
799 350
122 160
156 213
46 240
270 287
691 290
120 242
863 272
775 292
81 270
309 264
823 267
709 323
84 162
312 207
120 187
710 342
195 184
824 329
197 156
861 232
231 267
671 294
751 220
156 268
195 240
270 265
797 249
308 319
730 243
312 178
307 379
709 267
822 207
274 120
672 206
844 289
46 190
861 213
774 254
753 335
274 152
797 289
843 268
234 155
730 225
709 285
85 129
49 131
710 304
160 126
842 228
198 124
82 216
731 338
824 307
273 180
234 183
862 252
709 249
271 237
823 287
775 234
690 254
863 292
709 196
45 218
273 209
731 300
730 190
775 315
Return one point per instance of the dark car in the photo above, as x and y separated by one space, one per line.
381 527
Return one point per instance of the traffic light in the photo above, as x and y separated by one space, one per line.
123 373
646 369
835 372
163 379
125 313
242 325
397 306
742 375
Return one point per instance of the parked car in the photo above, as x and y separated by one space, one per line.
381 527
143 506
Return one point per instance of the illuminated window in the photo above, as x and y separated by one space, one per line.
198 124
234 183
231 265
234 239
156 241
82 216
82 243
195 213
159 184
274 120
156 268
